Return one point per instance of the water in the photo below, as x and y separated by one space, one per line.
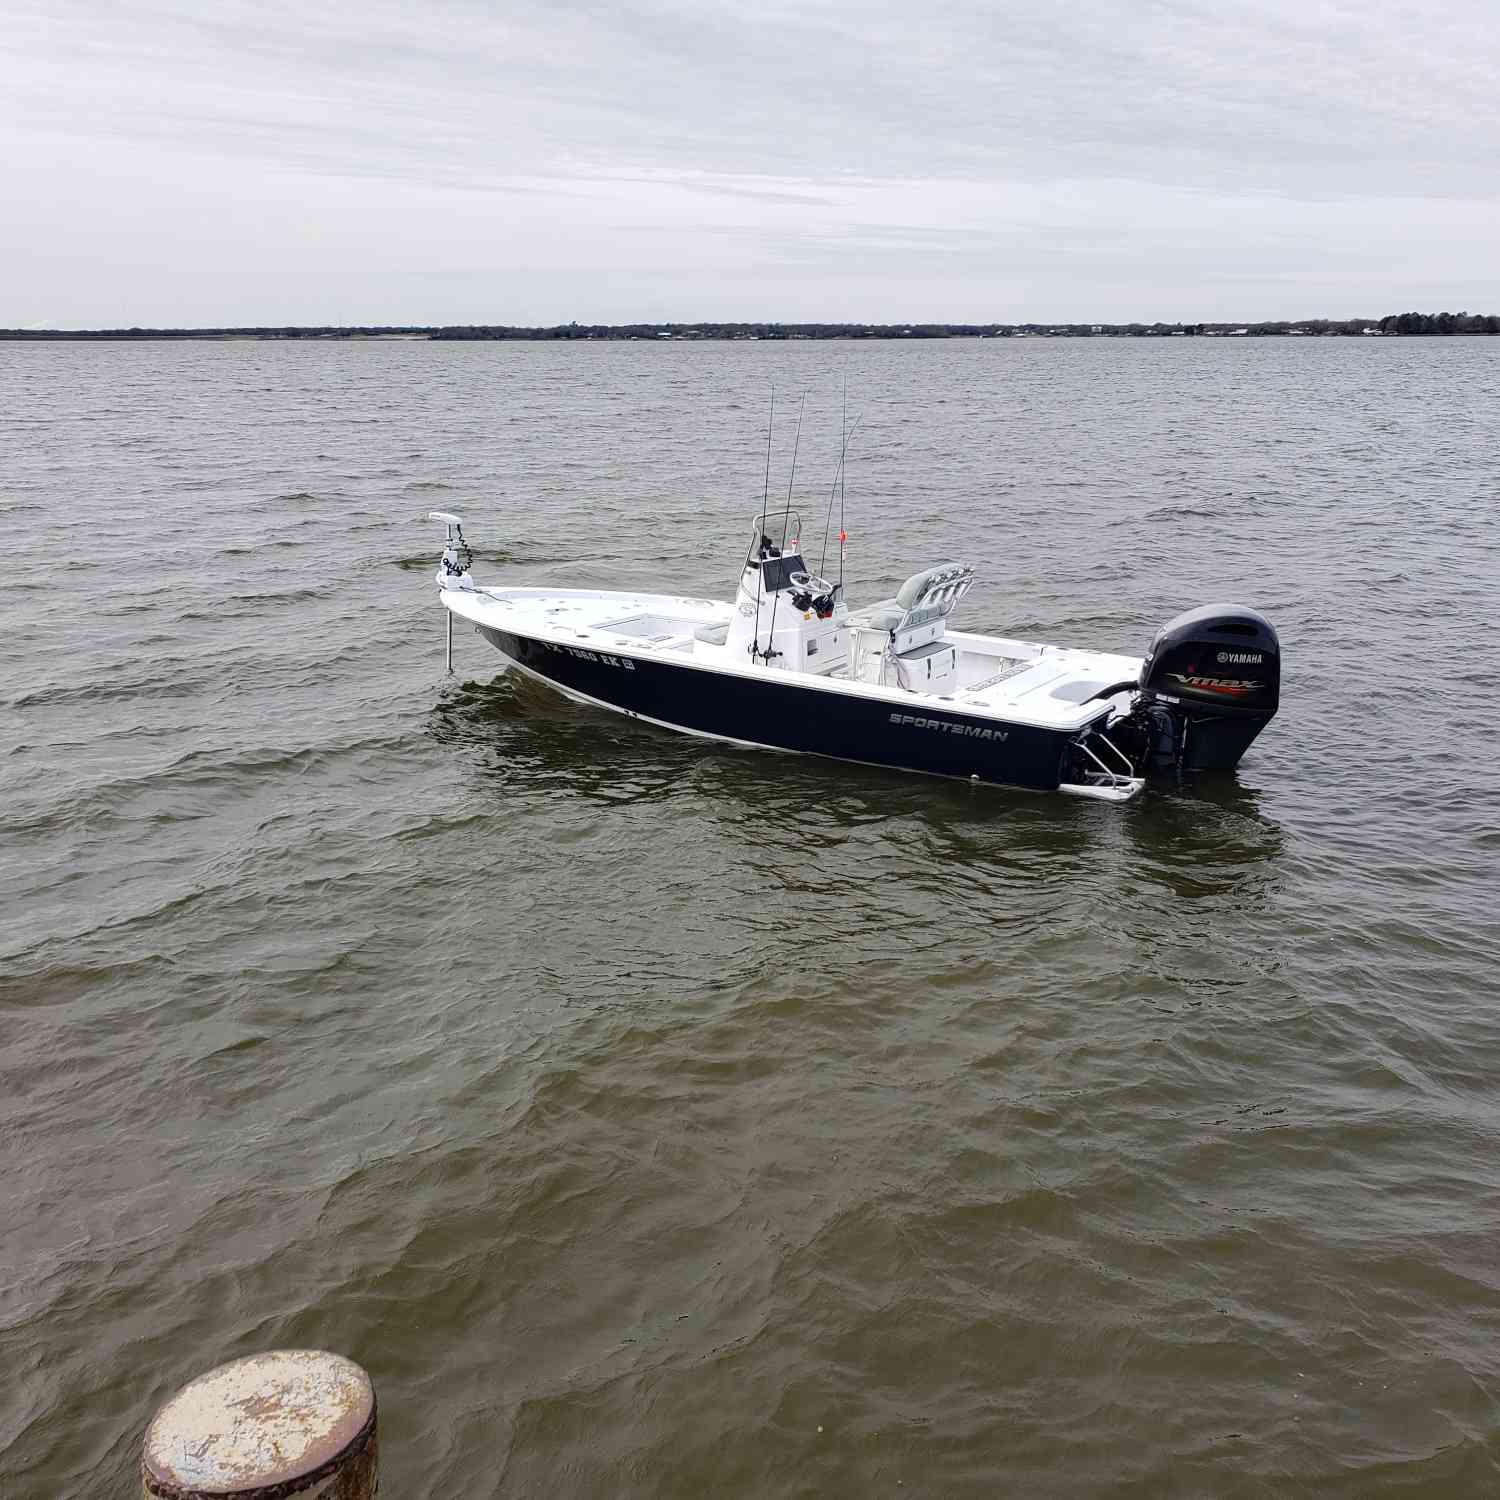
658 1119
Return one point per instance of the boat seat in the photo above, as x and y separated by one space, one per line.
928 594
943 585
886 615
711 635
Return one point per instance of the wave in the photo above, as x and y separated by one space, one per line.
170 684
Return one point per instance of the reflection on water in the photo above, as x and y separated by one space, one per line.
1196 837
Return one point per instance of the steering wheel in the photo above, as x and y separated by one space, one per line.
811 582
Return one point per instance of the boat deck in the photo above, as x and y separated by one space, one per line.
1028 682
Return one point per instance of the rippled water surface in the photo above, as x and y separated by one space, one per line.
654 1118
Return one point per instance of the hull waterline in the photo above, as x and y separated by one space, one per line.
767 713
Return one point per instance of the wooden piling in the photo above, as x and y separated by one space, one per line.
292 1424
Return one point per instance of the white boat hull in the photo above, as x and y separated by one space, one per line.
638 655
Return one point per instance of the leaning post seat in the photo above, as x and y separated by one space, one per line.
918 613
914 622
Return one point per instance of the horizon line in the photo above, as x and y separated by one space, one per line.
1408 323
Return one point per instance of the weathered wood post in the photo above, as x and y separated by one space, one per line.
291 1423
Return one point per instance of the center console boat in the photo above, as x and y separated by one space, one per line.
788 665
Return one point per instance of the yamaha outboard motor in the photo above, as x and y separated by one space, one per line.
1209 684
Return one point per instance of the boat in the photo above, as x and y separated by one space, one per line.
789 665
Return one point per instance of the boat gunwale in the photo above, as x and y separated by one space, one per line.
592 638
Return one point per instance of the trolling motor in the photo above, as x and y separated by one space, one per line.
458 557
1209 684
453 567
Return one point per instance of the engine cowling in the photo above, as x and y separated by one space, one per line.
1209 684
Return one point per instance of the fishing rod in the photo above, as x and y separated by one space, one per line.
843 493
757 543
786 515
838 487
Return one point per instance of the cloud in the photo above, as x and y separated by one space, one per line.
1143 148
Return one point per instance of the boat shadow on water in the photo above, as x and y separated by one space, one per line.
1192 836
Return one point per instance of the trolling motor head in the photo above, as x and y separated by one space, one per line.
458 558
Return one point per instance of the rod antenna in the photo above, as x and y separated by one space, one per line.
792 477
759 538
835 490
785 522
765 499
843 483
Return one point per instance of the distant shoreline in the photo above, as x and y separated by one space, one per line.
1393 325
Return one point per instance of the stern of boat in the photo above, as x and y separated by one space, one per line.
1096 767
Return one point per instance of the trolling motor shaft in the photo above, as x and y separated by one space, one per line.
453 567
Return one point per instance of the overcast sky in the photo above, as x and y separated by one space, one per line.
203 162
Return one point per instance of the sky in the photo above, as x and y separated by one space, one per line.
248 162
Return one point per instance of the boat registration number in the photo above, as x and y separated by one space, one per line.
602 657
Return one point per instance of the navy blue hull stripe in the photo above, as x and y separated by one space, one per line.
779 714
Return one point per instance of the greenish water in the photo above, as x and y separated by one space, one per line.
653 1118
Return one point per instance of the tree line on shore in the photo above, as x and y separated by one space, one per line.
1441 324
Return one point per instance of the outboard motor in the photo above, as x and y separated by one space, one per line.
1209 684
